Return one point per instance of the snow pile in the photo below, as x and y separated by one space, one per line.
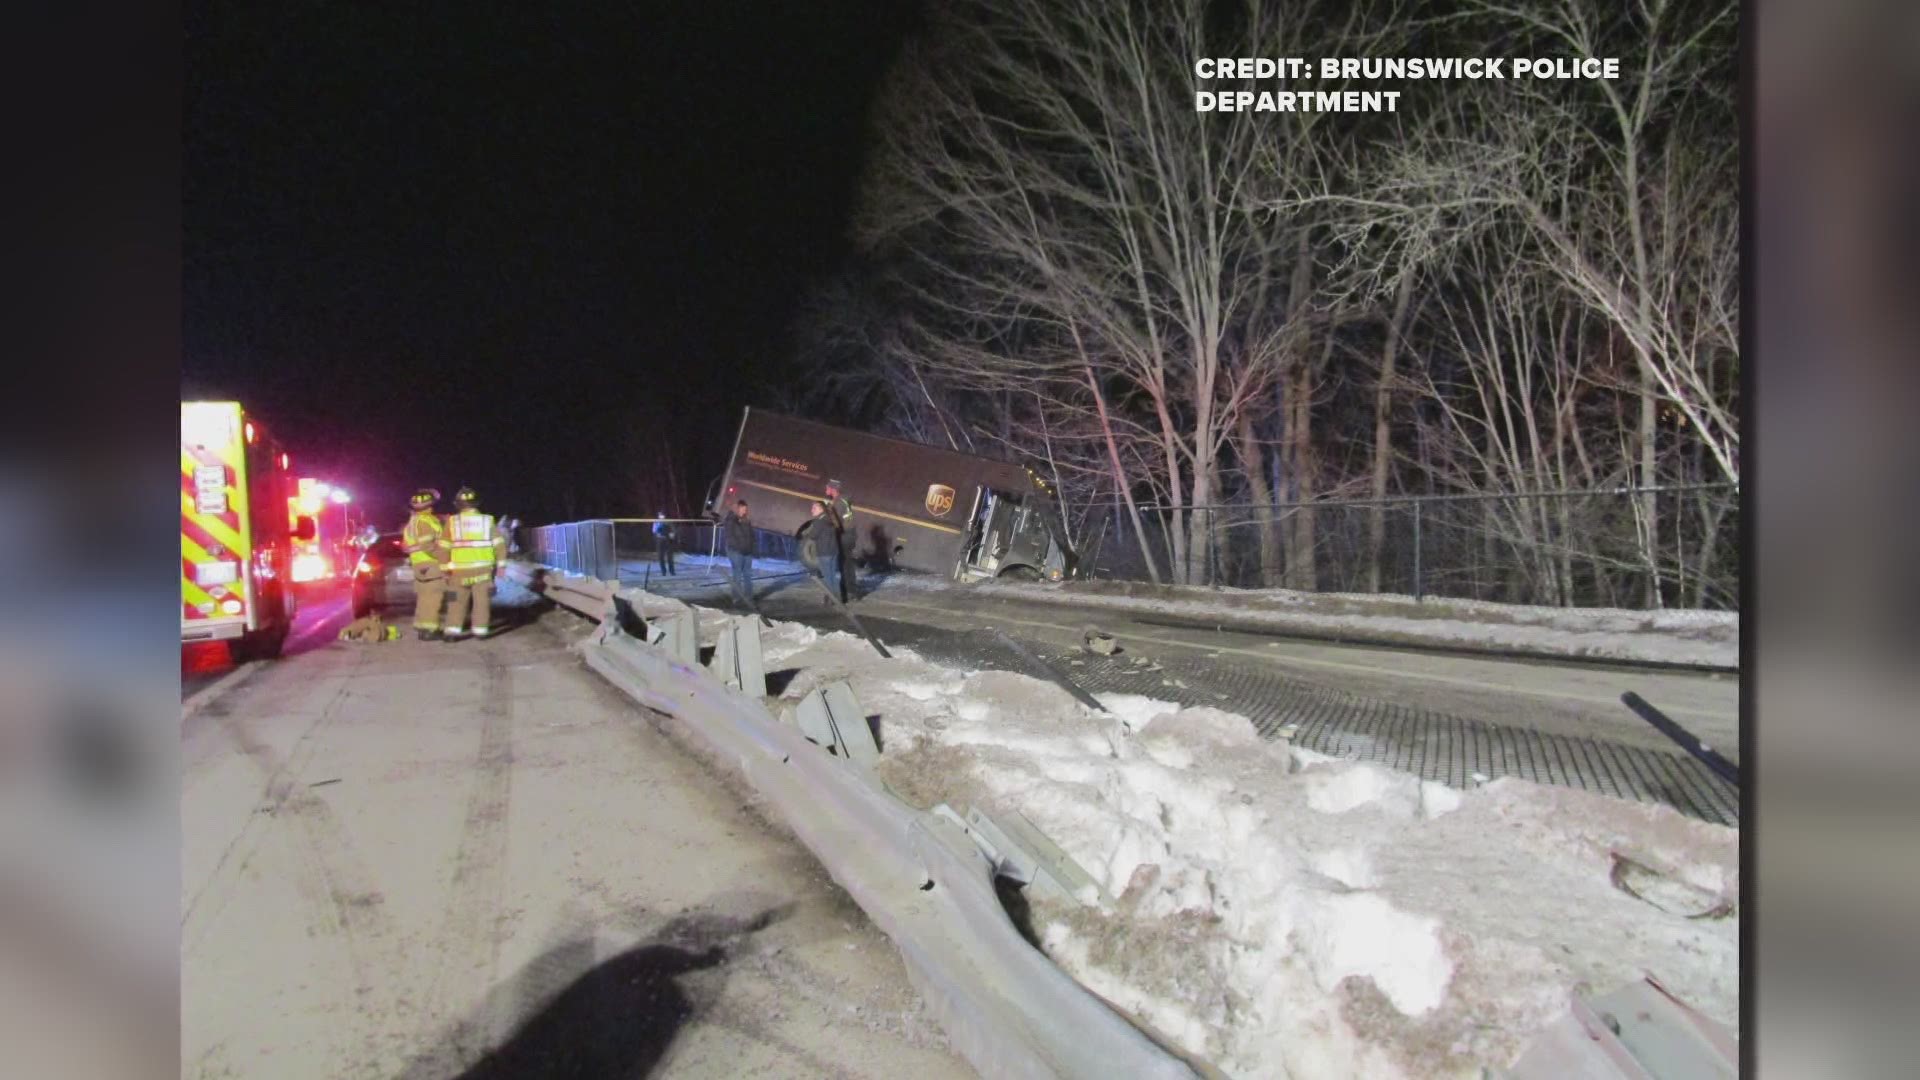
785 639
1282 913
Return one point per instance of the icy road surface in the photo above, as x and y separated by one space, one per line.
477 860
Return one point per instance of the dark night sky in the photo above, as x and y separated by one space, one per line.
506 246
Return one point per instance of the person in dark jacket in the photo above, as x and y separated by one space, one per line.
840 514
663 544
738 531
808 534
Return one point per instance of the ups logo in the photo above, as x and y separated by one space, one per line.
939 499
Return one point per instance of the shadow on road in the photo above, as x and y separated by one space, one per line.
506 618
619 1018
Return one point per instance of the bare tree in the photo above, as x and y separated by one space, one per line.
1624 191
1505 388
1385 382
1045 170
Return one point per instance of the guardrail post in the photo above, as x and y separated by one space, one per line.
678 635
737 658
831 716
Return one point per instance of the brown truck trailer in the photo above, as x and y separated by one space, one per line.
915 507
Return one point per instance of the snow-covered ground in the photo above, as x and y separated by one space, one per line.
1282 913
694 569
1710 638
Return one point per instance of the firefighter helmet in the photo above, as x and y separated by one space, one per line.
466 496
424 499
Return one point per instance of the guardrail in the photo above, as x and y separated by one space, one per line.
588 596
1006 1008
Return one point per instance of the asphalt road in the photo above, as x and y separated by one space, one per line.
477 860
1566 699
323 611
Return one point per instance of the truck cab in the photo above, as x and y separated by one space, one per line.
1010 535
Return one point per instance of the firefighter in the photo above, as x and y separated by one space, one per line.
479 553
425 540
840 554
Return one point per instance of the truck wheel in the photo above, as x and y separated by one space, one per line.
265 645
1020 573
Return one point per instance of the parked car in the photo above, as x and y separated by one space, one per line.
382 579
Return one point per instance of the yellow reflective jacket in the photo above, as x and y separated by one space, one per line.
425 539
478 545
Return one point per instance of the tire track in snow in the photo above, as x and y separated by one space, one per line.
470 936
340 896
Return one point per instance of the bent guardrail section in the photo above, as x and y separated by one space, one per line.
1005 1007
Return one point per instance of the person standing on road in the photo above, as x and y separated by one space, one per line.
808 534
425 541
739 534
663 543
840 513
825 540
479 551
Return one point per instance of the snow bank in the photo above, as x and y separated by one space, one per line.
785 639
1283 913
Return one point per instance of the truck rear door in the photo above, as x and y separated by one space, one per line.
216 539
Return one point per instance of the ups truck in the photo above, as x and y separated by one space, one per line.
915 507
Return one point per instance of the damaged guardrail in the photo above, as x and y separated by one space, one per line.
589 596
1005 1006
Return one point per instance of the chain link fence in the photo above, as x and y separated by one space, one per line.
1675 547
607 548
578 547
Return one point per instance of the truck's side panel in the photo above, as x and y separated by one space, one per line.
910 501
270 484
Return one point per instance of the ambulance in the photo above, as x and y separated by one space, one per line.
236 536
